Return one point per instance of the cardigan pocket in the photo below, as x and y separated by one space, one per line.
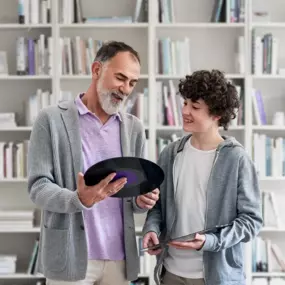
55 248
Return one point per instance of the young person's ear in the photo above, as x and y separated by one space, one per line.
216 118
96 69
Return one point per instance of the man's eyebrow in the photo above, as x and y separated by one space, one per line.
124 76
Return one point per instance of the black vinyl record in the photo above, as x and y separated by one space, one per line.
142 175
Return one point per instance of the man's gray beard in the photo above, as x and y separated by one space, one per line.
109 106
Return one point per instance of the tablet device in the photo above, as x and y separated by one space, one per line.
186 238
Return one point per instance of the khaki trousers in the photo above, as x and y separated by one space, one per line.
99 272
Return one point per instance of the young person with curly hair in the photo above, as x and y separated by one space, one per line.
210 180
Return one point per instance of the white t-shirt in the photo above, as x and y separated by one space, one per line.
191 171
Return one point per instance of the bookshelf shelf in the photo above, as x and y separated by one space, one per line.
268 76
268 25
16 129
88 77
169 76
268 128
103 25
14 180
268 274
24 26
25 77
270 178
19 230
200 25
272 230
20 276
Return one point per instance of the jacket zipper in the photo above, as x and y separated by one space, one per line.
215 160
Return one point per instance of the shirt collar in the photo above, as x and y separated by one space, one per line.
82 109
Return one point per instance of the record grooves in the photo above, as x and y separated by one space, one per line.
142 175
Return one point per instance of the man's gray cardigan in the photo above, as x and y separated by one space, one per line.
54 160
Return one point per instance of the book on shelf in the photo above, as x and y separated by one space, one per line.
169 104
13 159
265 50
34 56
259 114
268 155
165 11
173 56
144 258
8 264
71 11
32 267
34 11
267 256
16 219
77 55
230 11
270 211
268 281
137 105
161 143
36 102
8 120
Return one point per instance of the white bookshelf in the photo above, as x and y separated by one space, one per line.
212 45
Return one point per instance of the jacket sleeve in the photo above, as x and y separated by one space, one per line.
153 220
43 190
140 152
248 222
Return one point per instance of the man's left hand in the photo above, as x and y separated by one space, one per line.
148 200
197 243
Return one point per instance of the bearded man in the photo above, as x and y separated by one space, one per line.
88 237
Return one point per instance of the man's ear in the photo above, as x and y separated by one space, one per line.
96 69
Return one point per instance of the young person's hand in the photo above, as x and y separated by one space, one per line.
151 239
197 243
148 200
89 195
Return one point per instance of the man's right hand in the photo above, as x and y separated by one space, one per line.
151 239
89 195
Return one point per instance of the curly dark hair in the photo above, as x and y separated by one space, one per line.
215 90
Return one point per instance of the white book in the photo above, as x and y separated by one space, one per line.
50 55
61 58
35 11
159 102
78 55
44 7
9 160
275 210
274 59
27 9
256 152
21 58
42 51
2 145
256 113
173 102
69 56
241 55
187 61
258 56
138 9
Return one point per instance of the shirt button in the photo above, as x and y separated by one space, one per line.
82 227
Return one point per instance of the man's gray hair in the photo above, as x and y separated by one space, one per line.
110 49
